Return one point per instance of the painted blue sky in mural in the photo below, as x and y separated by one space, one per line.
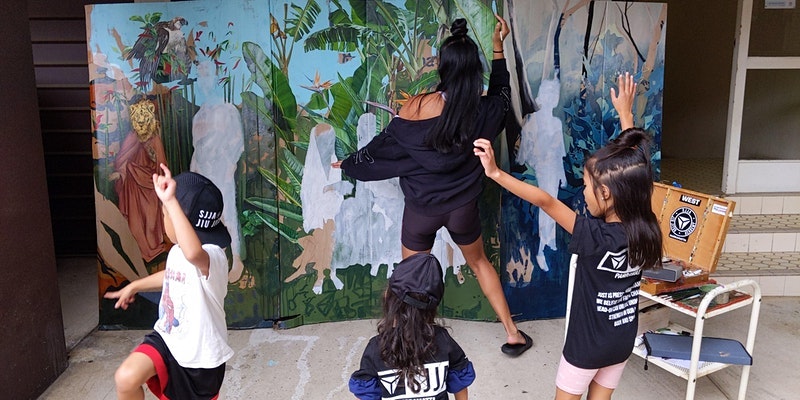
213 23
216 29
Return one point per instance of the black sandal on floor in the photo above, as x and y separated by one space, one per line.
515 350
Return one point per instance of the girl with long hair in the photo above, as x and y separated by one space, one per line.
412 353
619 239
429 147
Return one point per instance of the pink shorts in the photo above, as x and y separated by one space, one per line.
574 380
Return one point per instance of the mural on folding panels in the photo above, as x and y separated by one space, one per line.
262 96
568 55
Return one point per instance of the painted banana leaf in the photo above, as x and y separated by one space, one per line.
272 82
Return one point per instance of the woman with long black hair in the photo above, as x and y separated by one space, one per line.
429 147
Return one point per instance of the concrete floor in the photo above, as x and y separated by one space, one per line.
315 361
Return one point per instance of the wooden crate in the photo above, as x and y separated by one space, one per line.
694 226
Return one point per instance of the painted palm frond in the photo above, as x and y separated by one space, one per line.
259 104
255 218
342 105
293 168
438 10
426 82
338 15
302 19
405 29
272 206
272 82
286 189
341 37
480 20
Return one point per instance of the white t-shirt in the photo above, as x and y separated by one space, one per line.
191 314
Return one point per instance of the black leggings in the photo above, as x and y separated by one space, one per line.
419 231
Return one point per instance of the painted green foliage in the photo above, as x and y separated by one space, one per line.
309 74
392 41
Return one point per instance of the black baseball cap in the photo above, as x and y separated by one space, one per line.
420 273
201 202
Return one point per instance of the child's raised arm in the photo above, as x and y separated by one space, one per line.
623 102
187 239
557 210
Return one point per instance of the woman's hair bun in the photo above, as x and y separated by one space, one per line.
459 27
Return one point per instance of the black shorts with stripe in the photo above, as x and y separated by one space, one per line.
173 381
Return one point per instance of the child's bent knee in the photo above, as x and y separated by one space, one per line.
133 373
127 379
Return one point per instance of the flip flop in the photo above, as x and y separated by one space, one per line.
515 350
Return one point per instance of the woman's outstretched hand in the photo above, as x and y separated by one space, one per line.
483 149
500 30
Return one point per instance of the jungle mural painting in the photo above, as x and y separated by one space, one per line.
261 97
569 53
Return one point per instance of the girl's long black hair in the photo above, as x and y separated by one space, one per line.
406 337
461 81
624 167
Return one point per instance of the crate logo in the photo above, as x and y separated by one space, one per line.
682 223
690 200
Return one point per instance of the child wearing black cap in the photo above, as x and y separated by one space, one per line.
413 357
185 355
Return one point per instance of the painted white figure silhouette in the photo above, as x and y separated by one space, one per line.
218 139
368 224
542 148
321 193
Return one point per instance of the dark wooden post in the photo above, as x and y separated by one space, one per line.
32 347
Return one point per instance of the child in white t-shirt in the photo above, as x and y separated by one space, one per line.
185 355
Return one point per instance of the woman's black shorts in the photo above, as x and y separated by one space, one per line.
419 231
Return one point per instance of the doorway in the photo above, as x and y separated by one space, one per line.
762 147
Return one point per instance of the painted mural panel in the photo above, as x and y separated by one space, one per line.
368 58
168 82
568 55
262 96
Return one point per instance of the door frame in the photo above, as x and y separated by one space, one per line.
750 176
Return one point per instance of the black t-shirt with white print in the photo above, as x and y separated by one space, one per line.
448 360
602 322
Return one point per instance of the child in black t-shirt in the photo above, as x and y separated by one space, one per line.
621 237
413 357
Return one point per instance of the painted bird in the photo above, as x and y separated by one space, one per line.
162 53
